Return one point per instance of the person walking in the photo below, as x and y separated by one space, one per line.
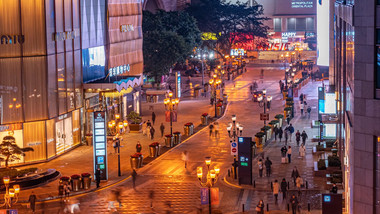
334 189
260 207
298 137
301 107
302 151
148 133
275 130
291 131
66 189
162 129
111 201
261 167
118 197
276 189
301 97
216 128
289 153
153 117
294 204
295 175
299 184
151 198
308 112
280 133
304 137
97 177
152 131
284 188
211 127
284 151
185 158
138 147
288 119
144 126
32 202
268 166
134 175
286 133
149 123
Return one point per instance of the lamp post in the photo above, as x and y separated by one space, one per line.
266 100
10 193
214 82
234 129
122 127
171 104
211 178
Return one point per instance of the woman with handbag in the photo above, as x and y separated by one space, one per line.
260 207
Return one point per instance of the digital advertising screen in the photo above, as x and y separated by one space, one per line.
323 26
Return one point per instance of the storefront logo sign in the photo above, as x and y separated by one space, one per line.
127 28
50 140
274 47
34 144
61 36
12 39
62 117
10 127
119 70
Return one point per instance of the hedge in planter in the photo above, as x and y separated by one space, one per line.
265 128
278 116
289 99
273 122
334 161
259 134
288 109
321 164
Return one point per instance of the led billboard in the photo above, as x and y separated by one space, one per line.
323 26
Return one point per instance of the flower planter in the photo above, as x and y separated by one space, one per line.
169 141
204 119
225 99
136 160
219 110
86 180
153 151
188 129
177 138
75 183
64 180
135 127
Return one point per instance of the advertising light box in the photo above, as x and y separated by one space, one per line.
323 26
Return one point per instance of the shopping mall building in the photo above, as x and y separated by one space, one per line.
59 61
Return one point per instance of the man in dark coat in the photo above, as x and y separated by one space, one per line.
32 201
294 203
284 188
153 117
268 166
97 177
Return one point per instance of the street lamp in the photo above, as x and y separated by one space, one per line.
265 101
122 126
211 178
234 129
10 193
171 104
214 82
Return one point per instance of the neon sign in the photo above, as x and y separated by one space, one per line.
274 47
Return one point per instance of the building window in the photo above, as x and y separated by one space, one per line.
310 24
291 24
277 24
301 24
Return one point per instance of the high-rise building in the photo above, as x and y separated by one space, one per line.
48 50
357 85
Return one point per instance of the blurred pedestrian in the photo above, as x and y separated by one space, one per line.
302 151
280 133
144 126
32 201
148 123
118 197
301 108
111 201
304 137
284 151
151 197
162 129
216 127
295 175
308 112
138 147
260 207
291 131
286 133
66 189
334 189
134 175
261 167
294 204
299 184
211 127
276 189
268 166
152 131
148 133
284 188
185 157
275 130
153 117
298 137
289 152
97 177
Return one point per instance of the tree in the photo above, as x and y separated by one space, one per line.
229 23
10 151
169 37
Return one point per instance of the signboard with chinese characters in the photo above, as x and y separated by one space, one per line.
100 144
178 84
127 28
245 160
119 70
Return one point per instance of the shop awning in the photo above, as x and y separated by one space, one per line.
114 83
156 92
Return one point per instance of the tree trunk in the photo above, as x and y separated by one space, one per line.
6 161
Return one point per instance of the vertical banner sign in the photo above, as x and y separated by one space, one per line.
204 196
167 116
99 135
245 160
234 148
321 102
215 196
178 84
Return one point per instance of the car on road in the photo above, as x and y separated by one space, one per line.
256 95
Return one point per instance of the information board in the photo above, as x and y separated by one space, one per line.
100 144
245 160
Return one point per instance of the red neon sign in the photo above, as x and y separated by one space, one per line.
274 47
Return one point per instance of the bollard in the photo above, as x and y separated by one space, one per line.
229 173
307 185
288 185
267 207
288 208
308 207
243 207
271 185
254 183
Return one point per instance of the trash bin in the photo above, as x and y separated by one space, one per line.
154 149
86 180
204 119
134 161
188 129
169 141
177 138
75 182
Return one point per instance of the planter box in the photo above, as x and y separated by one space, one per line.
86 182
76 184
169 141
219 111
204 120
135 127
177 138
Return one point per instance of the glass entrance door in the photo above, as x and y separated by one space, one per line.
59 133
68 133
